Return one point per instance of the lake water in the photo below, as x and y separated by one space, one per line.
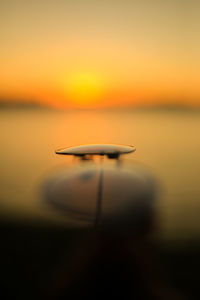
167 143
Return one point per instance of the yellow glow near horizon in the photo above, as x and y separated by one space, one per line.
100 53
83 89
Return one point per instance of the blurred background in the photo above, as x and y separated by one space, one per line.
78 72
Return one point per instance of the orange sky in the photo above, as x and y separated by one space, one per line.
91 53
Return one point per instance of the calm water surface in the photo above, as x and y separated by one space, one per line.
167 143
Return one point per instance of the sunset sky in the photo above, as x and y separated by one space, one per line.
87 53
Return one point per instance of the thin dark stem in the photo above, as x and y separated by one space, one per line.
99 200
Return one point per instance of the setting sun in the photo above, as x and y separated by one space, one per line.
83 89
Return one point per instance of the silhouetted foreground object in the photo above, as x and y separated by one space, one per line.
110 197
113 258
112 151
